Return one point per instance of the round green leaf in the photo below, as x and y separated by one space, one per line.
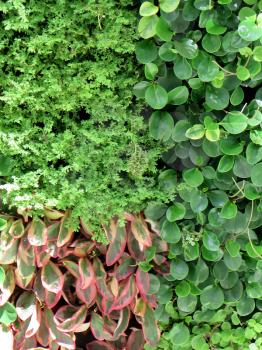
249 30
163 30
207 70
196 132
233 247
217 99
235 122
187 303
7 314
214 28
183 289
179 269
225 164
178 95
242 73
211 43
212 297
161 125
156 96
232 262
169 5
245 305
198 202
3 224
182 68
193 177
170 232
187 48
179 334
210 241
147 26
148 9
176 212
229 210
168 181
237 96
256 174
146 51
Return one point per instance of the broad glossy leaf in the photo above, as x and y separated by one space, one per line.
187 48
211 241
86 272
179 269
235 122
156 96
256 174
99 345
147 26
169 5
212 297
217 99
148 9
17 229
161 125
179 334
178 95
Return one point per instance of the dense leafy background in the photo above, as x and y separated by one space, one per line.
70 135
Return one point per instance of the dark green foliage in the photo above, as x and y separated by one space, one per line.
70 135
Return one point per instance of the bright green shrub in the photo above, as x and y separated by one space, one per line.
70 134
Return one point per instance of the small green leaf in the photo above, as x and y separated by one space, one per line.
229 210
7 314
256 174
242 73
187 48
233 247
179 269
176 212
147 26
257 53
151 70
196 132
178 95
3 224
225 164
235 122
212 297
183 289
169 5
214 28
161 125
163 30
210 241
193 177
249 30
148 9
211 43
182 68
146 51
170 232
237 96
217 99
156 96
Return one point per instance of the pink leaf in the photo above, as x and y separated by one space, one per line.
86 272
117 246
37 233
66 231
126 295
52 277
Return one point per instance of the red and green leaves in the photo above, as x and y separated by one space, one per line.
117 245
37 233
65 231
86 272
52 278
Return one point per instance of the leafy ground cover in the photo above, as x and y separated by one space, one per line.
187 272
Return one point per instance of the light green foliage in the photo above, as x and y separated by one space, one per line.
70 136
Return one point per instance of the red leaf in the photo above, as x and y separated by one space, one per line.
42 334
72 323
100 277
100 345
37 233
17 229
59 337
98 329
66 231
86 272
87 295
122 323
135 340
142 281
126 268
134 248
117 246
150 328
72 267
127 293
52 277
141 232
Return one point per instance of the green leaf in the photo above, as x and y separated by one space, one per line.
161 125
207 70
245 305
211 43
179 334
188 303
233 247
193 177
182 68
179 269
8 314
187 48
168 181
196 132
249 30
257 53
229 210
214 28
183 289
156 96
225 164
6 165
151 70
146 51
198 202
148 9
237 96
147 26
176 212
52 278
210 241
217 99
163 30
170 232
242 73
256 119
256 176
212 297
178 95
235 122
2 276
169 5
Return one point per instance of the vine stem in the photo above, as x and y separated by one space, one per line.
223 69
